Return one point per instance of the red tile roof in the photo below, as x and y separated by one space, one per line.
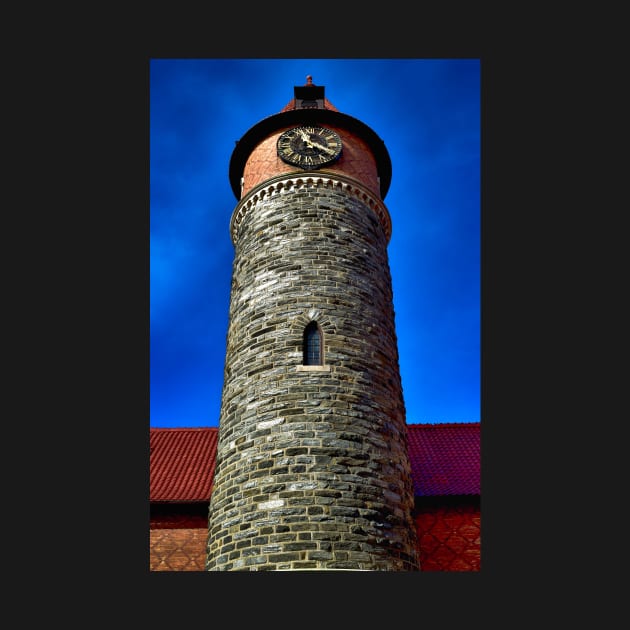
182 464
445 460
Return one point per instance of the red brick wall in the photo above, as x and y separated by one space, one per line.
178 549
449 536
356 161
177 537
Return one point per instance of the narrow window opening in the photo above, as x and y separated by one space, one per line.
312 345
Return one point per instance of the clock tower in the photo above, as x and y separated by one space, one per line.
312 469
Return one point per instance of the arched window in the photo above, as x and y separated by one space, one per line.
312 345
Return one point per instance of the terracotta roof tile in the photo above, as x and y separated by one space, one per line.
445 460
182 464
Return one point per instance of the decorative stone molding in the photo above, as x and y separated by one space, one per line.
283 185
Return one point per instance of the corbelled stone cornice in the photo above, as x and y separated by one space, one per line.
283 184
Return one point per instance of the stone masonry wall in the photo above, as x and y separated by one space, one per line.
312 466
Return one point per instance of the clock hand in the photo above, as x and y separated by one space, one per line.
322 147
315 145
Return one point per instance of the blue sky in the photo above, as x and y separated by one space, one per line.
427 112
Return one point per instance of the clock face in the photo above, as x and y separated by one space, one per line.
309 147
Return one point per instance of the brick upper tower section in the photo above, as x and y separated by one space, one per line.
364 157
356 161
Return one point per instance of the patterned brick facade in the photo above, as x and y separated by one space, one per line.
177 538
448 533
181 549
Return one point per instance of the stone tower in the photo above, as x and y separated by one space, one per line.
312 468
